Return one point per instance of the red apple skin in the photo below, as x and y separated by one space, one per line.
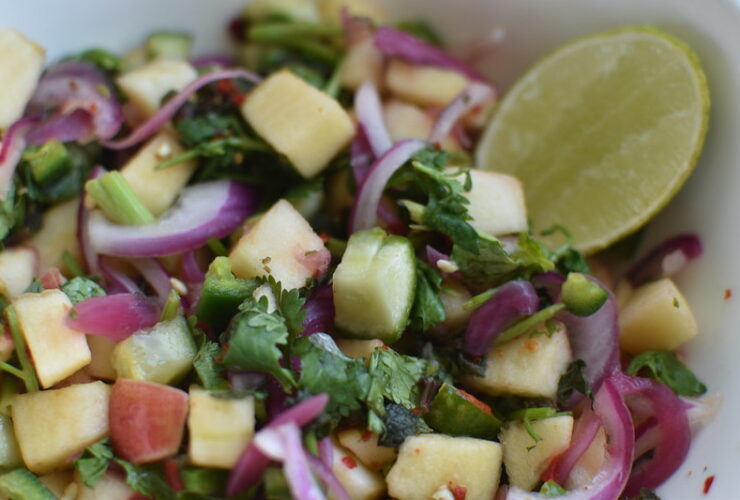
147 420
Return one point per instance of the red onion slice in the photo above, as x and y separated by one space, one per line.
156 275
89 257
361 156
161 117
365 208
11 150
116 317
117 281
208 210
609 481
396 43
73 126
584 432
370 116
475 95
252 462
666 259
510 302
319 310
325 473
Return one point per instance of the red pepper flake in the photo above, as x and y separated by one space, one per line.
708 484
366 435
728 293
459 492
349 462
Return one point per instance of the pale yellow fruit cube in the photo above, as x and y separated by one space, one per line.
424 85
528 366
306 125
656 317
430 462
21 63
146 85
281 244
58 234
111 486
158 189
364 445
406 121
220 428
589 463
101 352
525 458
53 426
360 482
57 350
357 349
17 269
331 10
363 62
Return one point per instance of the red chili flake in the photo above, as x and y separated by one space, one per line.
172 474
225 86
728 294
459 492
366 435
477 402
349 462
708 484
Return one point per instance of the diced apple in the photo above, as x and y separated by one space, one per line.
146 420
528 366
298 10
656 317
454 296
526 459
21 63
57 482
406 121
360 482
424 85
53 426
589 463
431 461
58 234
101 350
306 125
158 189
358 349
364 62
57 351
364 445
146 85
331 10
496 203
111 486
17 269
283 245
220 428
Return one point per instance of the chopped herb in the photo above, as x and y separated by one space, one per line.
668 369
399 423
428 309
81 288
573 380
552 489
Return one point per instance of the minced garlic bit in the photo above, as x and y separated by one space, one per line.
178 286
447 266
164 151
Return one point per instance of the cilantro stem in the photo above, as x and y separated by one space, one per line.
72 264
334 85
218 248
478 300
171 307
416 210
528 323
114 195
12 370
317 50
278 32
29 375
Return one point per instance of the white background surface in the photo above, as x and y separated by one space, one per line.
709 204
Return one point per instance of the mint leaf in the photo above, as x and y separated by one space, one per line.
573 380
79 289
428 309
552 489
668 369
93 463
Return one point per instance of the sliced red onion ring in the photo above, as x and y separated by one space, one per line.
584 432
117 282
510 302
666 259
475 95
252 462
73 126
73 86
11 150
396 43
370 116
194 277
161 117
208 210
89 257
365 208
702 411
609 481
114 316
669 437
326 475
326 451
551 282
361 156
319 310
156 275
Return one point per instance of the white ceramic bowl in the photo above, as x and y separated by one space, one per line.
709 204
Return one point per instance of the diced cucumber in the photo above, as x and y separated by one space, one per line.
21 484
169 45
457 413
374 286
582 296
162 354
48 162
10 454
222 293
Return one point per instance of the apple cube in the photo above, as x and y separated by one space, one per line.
158 189
306 125
331 10
406 121
364 445
58 234
526 459
17 269
363 62
57 351
360 482
656 317
53 426
21 63
454 296
146 420
496 203
111 486
146 85
101 350
589 463
357 349
283 245
220 428
528 366
424 85
430 462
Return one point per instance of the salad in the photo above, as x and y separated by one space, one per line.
278 274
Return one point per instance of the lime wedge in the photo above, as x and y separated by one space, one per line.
602 132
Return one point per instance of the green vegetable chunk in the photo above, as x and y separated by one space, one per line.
457 413
582 296
169 45
48 162
21 484
222 293
667 368
115 197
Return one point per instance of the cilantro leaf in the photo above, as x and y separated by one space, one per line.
290 305
254 337
428 309
668 369
566 258
79 289
146 482
573 380
194 130
552 489
206 367
93 464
